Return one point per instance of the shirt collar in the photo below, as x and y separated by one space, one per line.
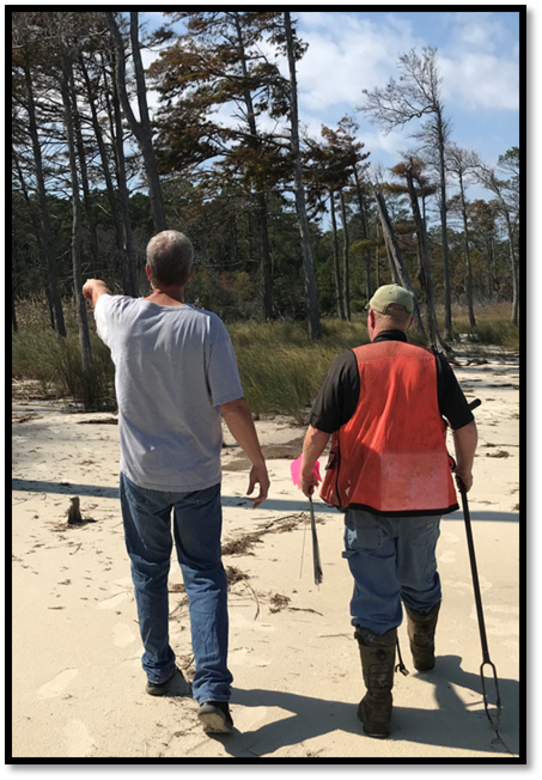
391 335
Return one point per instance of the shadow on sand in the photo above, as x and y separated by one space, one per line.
452 725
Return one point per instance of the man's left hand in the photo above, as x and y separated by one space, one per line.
258 475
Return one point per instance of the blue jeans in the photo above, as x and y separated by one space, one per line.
391 559
197 526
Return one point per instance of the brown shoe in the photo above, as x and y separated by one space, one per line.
160 689
421 633
377 663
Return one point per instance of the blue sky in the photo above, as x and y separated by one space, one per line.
478 57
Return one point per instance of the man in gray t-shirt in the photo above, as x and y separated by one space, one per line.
175 378
175 367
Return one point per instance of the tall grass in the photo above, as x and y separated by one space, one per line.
281 369
493 326
58 368
56 364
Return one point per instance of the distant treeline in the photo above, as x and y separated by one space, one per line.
284 226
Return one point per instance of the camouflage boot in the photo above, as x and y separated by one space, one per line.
377 662
421 632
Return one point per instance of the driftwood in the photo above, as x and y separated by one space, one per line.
400 273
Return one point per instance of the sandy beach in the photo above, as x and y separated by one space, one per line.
78 686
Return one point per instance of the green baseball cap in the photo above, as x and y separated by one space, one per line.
391 293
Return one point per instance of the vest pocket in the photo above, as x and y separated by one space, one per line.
331 461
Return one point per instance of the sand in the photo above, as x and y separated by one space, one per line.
78 686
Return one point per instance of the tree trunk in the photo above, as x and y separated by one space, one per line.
151 167
377 264
448 332
336 269
127 257
265 255
265 258
425 263
13 314
390 242
514 269
472 319
95 269
111 195
401 275
315 330
37 233
490 248
142 128
365 234
66 90
54 287
346 264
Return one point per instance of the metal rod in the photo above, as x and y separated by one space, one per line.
478 601
315 551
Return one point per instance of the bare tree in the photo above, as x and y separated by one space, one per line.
60 36
121 221
67 48
417 95
24 52
346 267
399 270
315 329
426 276
84 335
507 195
461 163
336 267
141 128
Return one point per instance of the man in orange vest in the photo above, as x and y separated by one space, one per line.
385 404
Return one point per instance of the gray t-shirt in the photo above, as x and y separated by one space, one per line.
174 366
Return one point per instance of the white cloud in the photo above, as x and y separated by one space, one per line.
480 64
393 143
477 30
351 54
479 81
347 54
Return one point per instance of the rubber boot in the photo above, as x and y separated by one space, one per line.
421 633
377 662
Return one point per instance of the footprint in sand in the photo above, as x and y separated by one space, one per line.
239 621
255 718
79 743
122 635
496 625
55 686
245 657
112 602
123 590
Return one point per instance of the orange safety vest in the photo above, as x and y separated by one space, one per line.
390 458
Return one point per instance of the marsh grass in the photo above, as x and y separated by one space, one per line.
281 369
58 368
489 331
493 326
56 364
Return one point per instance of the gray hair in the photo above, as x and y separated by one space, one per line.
170 256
